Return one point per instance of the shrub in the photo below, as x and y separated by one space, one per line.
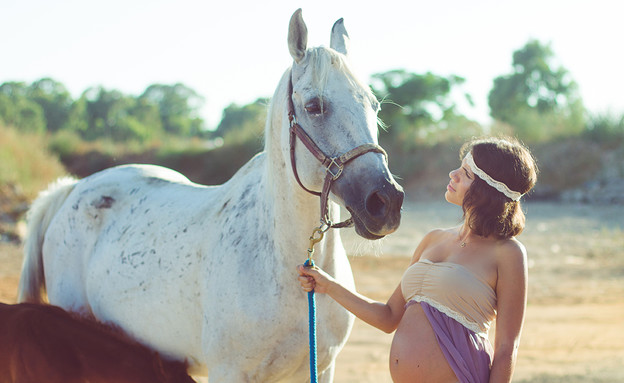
605 129
566 164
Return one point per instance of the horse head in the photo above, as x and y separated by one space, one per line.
338 115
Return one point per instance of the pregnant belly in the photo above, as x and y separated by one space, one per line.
415 355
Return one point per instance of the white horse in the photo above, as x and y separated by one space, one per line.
207 273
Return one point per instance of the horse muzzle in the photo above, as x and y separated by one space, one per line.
375 205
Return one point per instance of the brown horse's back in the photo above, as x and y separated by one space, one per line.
43 343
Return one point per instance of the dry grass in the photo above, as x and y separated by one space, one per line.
25 161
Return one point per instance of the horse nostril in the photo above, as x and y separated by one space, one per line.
376 204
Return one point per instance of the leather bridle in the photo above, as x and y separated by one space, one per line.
334 166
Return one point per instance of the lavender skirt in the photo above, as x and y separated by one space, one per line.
468 354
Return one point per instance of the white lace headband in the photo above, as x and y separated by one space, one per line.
501 187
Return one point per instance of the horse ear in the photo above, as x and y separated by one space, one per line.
339 37
297 36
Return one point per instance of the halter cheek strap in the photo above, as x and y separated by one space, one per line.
501 187
333 165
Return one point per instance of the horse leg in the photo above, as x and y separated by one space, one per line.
327 376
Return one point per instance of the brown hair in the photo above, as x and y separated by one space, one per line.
489 212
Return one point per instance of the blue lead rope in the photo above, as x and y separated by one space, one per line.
312 331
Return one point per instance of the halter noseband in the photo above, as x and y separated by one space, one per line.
333 165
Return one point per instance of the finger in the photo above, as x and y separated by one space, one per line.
310 286
300 270
312 271
303 270
307 271
308 267
306 281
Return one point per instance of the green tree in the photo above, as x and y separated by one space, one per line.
101 113
54 100
77 117
241 123
148 115
417 108
178 106
538 100
17 110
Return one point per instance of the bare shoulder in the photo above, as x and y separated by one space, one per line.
512 278
433 237
512 255
439 235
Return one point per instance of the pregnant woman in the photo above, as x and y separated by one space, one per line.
460 279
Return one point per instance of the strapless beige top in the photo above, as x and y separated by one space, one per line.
453 290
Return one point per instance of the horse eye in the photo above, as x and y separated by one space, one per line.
314 107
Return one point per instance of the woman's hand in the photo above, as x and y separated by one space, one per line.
384 316
313 278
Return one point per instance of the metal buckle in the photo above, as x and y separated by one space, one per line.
338 172
292 118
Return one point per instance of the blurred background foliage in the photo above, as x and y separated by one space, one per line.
45 133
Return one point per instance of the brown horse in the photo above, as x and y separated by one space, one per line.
43 343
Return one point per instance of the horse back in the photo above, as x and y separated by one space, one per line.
133 202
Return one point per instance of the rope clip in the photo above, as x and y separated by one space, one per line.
316 237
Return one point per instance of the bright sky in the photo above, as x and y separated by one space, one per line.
236 51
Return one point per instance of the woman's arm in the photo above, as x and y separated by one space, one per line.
511 292
384 316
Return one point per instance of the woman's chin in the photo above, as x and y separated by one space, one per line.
449 198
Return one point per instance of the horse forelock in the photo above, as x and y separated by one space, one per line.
321 60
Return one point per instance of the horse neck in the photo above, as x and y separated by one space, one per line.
296 212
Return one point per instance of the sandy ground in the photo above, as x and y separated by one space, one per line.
574 328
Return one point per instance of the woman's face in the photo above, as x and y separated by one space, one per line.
461 179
